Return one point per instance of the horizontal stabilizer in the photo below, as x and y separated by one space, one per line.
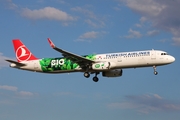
17 63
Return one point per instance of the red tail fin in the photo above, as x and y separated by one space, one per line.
22 52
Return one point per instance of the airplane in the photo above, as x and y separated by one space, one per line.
109 64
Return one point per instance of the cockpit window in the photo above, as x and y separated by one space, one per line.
164 54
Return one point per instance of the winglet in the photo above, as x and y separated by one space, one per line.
51 43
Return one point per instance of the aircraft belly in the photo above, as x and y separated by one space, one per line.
62 71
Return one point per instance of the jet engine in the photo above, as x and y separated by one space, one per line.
112 73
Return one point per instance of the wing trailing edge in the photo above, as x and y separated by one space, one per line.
69 54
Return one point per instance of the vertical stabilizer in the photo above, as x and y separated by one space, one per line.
22 52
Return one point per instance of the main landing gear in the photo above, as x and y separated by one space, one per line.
95 78
155 72
86 74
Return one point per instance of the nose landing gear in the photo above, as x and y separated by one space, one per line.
155 72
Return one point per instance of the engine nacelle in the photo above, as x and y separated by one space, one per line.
112 73
103 66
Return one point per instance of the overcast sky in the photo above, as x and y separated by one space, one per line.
86 27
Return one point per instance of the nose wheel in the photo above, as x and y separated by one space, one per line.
155 72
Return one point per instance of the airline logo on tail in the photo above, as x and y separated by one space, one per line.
22 52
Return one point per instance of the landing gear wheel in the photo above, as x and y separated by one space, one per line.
86 74
95 79
155 72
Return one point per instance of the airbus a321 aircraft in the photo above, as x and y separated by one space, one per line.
109 64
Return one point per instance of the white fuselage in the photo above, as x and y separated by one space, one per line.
121 60
133 60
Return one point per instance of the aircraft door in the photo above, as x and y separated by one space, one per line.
153 55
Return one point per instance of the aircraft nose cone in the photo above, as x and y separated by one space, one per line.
172 59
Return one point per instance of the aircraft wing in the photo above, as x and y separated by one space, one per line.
72 56
17 63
